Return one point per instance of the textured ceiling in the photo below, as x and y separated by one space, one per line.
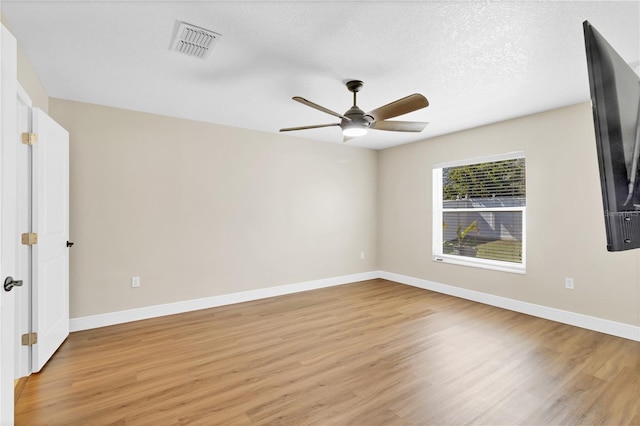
477 62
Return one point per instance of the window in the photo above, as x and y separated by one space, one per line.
479 211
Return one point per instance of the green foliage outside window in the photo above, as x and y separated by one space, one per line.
495 179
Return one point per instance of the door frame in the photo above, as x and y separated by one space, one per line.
23 365
8 215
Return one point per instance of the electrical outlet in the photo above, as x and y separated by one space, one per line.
568 283
361 255
135 282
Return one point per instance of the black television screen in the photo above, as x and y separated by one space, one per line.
615 97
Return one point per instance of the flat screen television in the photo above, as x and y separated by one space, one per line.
615 97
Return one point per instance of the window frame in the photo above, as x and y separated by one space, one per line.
437 235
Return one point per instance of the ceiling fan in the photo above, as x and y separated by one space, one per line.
355 122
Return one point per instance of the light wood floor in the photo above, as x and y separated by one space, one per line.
369 353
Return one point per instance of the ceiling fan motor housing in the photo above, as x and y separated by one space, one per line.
358 118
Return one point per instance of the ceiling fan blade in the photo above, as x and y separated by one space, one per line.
399 126
348 138
401 106
315 126
319 107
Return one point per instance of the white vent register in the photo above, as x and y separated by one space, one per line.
194 41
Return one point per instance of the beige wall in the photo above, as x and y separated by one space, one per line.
565 226
199 210
31 83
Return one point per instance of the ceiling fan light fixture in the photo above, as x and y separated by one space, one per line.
354 131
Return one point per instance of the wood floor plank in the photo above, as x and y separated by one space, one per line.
369 353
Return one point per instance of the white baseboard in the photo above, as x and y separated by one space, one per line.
119 317
626 331
618 329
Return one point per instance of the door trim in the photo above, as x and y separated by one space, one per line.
23 365
8 214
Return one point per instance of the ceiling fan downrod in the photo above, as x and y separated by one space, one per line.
354 87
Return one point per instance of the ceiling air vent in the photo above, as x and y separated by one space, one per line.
194 41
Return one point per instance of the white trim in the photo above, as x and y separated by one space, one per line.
626 331
23 96
437 222
613 328
476 262
119 317
23 297
478 160
9 244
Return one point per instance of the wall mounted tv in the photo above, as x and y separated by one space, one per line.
615 97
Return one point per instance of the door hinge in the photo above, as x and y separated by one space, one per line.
29 138
29 238
29 339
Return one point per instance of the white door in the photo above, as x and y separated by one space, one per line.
50 220
8 214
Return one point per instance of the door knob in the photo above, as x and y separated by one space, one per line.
10 283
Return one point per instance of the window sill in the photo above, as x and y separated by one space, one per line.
495 265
